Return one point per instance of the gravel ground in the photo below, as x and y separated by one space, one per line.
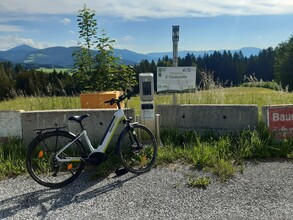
263 191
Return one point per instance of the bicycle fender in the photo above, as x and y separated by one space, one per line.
39 137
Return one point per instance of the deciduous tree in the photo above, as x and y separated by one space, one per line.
98 67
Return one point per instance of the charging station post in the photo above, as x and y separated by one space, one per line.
147 104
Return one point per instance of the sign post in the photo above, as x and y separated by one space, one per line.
175 79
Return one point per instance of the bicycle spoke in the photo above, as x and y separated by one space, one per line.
45 168
137 149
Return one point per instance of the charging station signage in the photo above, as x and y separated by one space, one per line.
280 121
176 78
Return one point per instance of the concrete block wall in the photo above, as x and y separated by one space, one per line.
21 124
216 118
95 125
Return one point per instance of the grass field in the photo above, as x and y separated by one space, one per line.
40 103
50 70
234 95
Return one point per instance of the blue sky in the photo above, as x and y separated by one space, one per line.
146 26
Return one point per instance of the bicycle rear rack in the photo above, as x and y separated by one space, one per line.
40 130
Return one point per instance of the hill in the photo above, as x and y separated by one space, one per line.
17 54
62 56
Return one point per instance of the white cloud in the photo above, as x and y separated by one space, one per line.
66 21
133 9
9 28
70 43
124 42
126 39
9 41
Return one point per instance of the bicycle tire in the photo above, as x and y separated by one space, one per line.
42 165
137 156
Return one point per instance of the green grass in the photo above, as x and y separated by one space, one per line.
233 95
222 156
40 103
50 70
201 182
12 158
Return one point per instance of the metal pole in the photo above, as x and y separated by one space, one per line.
158 129
175 39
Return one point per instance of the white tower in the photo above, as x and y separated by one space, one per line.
175 38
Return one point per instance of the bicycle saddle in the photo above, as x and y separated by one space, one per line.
78 118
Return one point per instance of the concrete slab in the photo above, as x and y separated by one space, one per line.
10 124
217 118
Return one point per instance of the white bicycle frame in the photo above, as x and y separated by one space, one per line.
117 118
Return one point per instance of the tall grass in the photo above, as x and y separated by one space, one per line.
221 155
12 158
40 103
233 95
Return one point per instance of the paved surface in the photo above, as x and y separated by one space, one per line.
263 191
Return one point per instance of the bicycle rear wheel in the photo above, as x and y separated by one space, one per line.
42 164
137 148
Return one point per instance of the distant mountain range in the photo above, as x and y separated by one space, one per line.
62 56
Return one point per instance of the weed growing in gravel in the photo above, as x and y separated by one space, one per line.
201 182
224 169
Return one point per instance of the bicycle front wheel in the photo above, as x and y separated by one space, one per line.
137 148
42 164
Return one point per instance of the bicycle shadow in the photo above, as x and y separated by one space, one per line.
48 200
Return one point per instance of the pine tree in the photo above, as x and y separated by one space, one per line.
284 63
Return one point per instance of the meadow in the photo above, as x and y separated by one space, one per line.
232 95
50 70
223 156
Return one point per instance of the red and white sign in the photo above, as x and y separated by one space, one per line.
280 120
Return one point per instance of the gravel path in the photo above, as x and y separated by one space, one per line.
263 191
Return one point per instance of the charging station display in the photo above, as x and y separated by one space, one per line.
146 88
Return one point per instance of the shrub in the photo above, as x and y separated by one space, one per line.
252 81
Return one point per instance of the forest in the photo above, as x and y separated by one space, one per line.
271 64
229 69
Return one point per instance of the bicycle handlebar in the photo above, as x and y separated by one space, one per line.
120 98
